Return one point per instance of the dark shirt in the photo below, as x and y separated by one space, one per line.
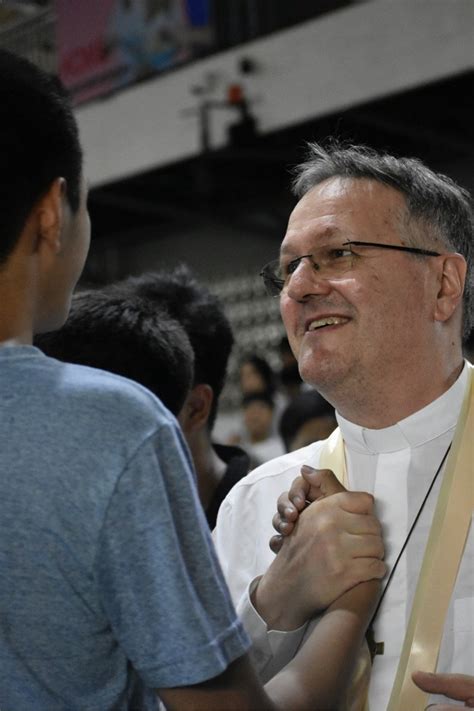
238 465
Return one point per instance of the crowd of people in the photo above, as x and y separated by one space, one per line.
279 413
339 573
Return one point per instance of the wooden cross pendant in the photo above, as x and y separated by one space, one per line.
374 647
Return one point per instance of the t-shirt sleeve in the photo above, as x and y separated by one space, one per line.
159 580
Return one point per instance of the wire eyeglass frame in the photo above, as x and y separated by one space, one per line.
274 285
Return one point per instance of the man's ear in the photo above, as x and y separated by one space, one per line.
49 215
195 412
450 286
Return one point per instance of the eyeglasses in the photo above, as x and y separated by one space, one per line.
329 261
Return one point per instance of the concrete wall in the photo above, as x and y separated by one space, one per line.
351 56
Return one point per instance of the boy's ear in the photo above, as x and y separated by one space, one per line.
50 215
196 409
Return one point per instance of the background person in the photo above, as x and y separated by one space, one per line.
258 438
289 377
199 312
257 378
308 418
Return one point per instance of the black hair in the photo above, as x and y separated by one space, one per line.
434 201
265 397
129 337
200 314
264 369
39 142
305 406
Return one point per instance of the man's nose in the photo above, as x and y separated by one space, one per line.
306 281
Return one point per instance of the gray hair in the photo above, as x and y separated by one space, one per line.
433 200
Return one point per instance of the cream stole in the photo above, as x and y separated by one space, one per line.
448 534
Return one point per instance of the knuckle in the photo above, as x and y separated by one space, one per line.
323 523
378 568
325 473
341 500
368 499
374 524
276 522
294 496
297 484
282 501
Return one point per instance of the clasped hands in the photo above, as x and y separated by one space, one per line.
336 543
348 545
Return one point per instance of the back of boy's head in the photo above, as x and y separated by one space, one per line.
200 314
129 337
39 142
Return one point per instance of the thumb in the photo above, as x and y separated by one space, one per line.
454 686
322 482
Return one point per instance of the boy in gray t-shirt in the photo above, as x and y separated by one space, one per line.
109 585
108 571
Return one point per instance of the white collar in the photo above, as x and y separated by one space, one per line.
435 419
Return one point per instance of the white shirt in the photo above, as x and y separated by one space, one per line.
395 464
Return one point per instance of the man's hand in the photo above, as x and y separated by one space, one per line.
312 485
335 544
455 686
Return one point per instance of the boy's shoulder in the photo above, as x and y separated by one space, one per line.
69 391
107 393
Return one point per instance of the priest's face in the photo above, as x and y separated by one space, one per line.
352 327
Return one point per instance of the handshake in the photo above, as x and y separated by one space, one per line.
328 541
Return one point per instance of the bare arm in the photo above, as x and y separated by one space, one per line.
318 676
236 689
315 679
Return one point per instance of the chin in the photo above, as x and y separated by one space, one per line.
321 372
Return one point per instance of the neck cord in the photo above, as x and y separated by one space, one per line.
377 647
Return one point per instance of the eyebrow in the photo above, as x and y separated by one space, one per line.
330 231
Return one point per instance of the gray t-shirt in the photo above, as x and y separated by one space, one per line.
109 584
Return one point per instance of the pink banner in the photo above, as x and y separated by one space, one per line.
104 45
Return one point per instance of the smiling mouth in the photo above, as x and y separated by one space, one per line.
328 321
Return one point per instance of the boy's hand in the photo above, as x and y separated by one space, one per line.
336 544
312 485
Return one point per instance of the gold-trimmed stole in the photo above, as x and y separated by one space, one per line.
443 554
333 457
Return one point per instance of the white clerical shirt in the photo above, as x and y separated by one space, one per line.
397 465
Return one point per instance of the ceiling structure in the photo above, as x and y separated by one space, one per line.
247 183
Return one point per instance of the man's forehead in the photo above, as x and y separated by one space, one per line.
341 207
346 193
